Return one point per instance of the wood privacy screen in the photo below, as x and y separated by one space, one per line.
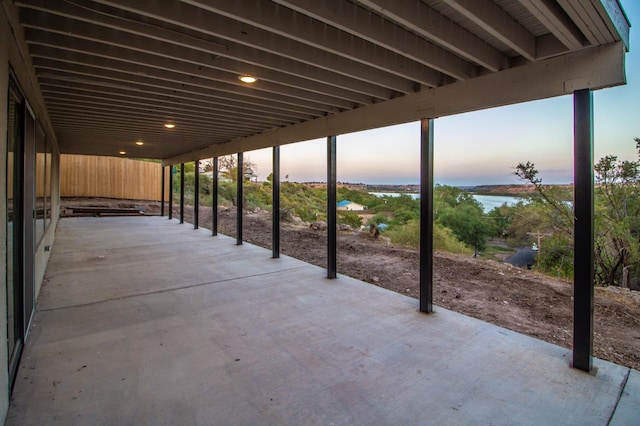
111 177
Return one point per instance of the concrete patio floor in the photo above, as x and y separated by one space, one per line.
143 321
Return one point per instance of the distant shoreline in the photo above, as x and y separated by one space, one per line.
509 190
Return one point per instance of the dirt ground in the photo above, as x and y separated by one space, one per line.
517 299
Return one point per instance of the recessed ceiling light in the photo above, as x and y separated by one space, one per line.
169 125
123 152
139 143
246 78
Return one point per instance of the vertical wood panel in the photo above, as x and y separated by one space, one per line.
40 179
110 177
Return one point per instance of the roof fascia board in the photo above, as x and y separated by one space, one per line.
618 20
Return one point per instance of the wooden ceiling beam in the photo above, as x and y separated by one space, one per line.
430 24
110 69
232 32
556 21
491 18
360 22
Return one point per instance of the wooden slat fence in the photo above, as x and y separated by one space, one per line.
111 177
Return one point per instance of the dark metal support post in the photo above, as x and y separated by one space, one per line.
162 171
583 262
181 192
426 215
214 198
275 202
239 201
332 258
171 191
196 195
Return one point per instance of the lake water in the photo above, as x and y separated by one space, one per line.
489 202
395 194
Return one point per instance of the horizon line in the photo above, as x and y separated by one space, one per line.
417 184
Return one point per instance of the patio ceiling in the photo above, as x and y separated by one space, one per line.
113 72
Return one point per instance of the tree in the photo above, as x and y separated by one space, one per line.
500 219
206 165
228 166
459 211
560 213
617 243
617 219
467 224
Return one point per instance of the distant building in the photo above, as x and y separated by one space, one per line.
350 206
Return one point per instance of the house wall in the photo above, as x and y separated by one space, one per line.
4 87
351 207
13 55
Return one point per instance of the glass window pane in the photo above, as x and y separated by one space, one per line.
13 133
47 184
40 183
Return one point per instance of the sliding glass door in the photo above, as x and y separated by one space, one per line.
20 205
14 302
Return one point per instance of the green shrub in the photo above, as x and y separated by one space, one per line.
257 195
443 238
378 218
555 256
406 235
307 203
226 193
350 218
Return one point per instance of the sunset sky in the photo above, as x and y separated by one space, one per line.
481 147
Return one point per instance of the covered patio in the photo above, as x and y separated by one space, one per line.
145 321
